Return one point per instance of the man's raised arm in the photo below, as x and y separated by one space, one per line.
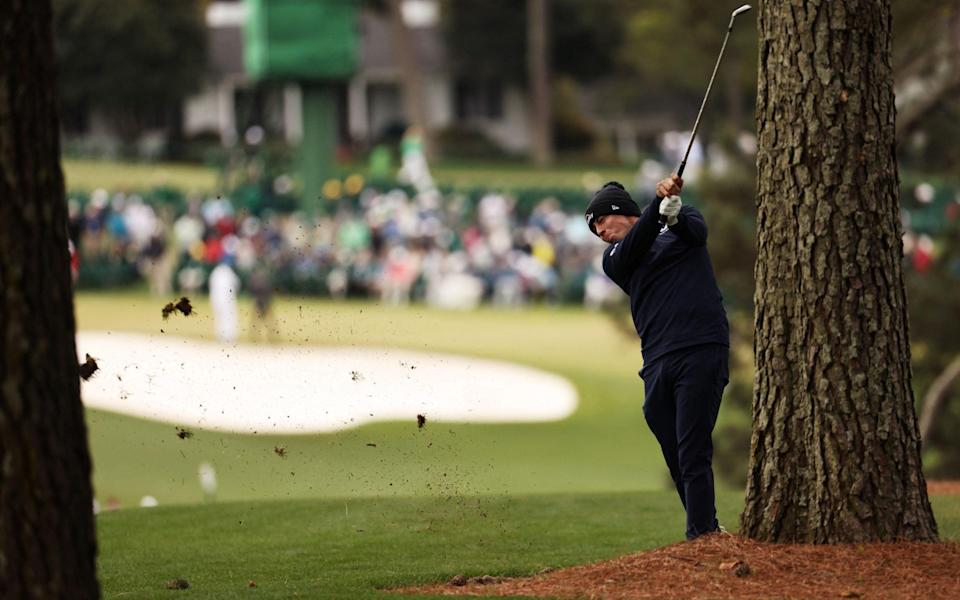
690 226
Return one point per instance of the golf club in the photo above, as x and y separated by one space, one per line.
696 124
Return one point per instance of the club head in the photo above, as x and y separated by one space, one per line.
739 11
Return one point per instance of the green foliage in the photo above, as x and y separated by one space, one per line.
475 50
935 331
671 47
729 207
102 272
134 59
731 439
584 37
572 130
914 22
933 148
933 295
461 142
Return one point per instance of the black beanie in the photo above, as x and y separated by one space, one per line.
611 199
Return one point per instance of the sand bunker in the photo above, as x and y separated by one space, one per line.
308 389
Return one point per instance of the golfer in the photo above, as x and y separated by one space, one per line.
678 313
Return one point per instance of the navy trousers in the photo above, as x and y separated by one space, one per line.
683 390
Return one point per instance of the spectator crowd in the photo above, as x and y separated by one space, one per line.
448 251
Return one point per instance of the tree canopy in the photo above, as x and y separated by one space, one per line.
487 38
130 57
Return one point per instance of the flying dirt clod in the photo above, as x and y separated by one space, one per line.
88 368
183 305
178 584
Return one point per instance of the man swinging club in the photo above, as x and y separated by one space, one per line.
678 313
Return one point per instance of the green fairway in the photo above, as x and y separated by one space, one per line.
349 548
85 174
520 174
604 447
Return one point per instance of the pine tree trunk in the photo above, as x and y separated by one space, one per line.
538 69
835 451
412 82
47 544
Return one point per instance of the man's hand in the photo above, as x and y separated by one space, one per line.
669 186
670 208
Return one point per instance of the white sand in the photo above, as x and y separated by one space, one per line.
304 389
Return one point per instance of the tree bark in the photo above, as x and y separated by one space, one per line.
47 543
538 69
835 450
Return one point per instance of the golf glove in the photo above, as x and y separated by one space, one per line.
670 208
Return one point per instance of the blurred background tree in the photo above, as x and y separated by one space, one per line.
927 65
130 63
487 38
487 41
672 47
934 303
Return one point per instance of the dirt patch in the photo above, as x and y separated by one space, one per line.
943 488
727 566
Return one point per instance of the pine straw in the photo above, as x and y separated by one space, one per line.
704 568
943 488
707 568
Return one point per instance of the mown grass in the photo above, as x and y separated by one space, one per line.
87 174
351 548
520 174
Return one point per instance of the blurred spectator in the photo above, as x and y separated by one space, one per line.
261 288
224 286
398 275
74 262
387 245
923 253
380 166
414 169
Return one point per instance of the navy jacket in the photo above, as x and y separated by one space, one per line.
667 273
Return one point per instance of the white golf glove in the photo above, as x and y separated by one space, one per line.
670 208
